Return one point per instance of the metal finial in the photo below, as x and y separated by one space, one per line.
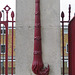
2 10
62 14
69 6
12 14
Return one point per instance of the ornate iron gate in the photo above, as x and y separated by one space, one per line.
6 26
71 42
62 22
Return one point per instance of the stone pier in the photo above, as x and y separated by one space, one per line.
50 31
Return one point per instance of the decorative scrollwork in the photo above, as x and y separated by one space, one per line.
38 69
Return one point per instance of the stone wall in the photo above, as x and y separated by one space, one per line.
50 30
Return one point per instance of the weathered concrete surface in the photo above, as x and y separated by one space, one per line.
50 30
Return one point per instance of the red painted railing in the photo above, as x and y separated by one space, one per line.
62 22
6 26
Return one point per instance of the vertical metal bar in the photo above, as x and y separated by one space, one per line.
62 15
3 43
69 49
12 15
0 47
63 43
0 42
6 15
69 11
68 39
12 47
6 63
6 25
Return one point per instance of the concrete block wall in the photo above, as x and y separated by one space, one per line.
50 30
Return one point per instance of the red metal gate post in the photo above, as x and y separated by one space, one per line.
0 43
37 66
62 15
6 55
12 15
7 8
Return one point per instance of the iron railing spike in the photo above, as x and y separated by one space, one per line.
62 14
12 14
